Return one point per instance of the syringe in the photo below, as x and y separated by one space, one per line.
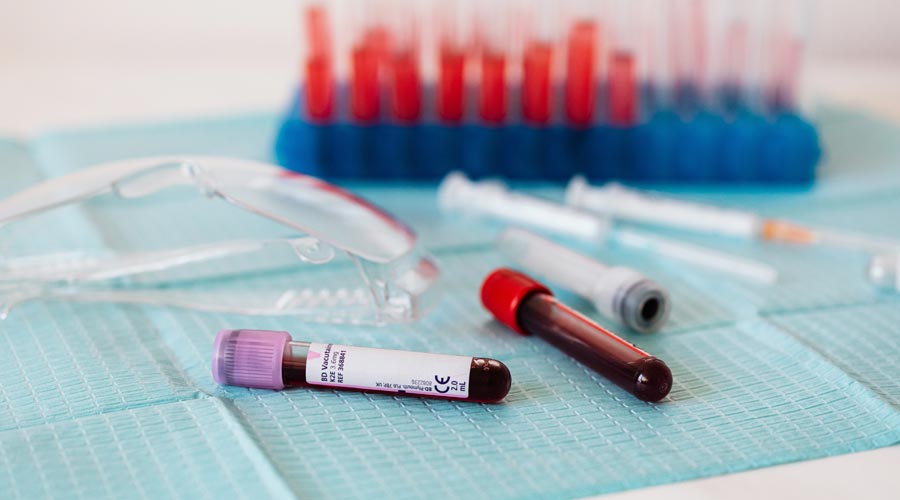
616 201
491 198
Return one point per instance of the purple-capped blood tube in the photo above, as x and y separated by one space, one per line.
268 359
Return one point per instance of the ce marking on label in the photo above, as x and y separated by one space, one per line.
441 382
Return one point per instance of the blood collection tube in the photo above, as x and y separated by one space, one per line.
582 47
451 84
529 308
492 95
369 54
364 84
622 78
268 359
406 89
537 64
622 90
619 293
319 85
453 25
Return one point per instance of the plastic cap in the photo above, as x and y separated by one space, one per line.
249 358
502 292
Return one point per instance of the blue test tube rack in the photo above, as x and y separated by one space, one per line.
706 148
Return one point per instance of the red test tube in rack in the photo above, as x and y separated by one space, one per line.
319 85
581 56
622 80
492 93
494 45
406 94
451 83
536 81
453 25
622 90
367 57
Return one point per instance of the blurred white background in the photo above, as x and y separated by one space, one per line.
100 61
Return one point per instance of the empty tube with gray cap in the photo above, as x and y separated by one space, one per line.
619 293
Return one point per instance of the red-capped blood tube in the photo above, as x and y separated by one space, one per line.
622 94
536 82
451 82
528 307
580 71
319 85
407 93
268 359
364 83
492 99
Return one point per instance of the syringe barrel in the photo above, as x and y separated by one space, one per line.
620 202
491 198
272 360
528 307
619 293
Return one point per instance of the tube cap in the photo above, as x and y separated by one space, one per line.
502 292
249 358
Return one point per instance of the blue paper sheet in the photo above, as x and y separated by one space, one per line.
117 400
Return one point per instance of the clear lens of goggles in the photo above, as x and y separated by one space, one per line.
368 267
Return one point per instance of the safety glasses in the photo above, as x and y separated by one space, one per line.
327 227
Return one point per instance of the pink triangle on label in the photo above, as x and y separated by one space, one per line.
313 355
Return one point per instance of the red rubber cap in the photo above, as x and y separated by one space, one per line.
502 292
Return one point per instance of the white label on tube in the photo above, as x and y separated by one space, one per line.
388 371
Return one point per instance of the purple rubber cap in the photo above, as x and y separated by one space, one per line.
249 358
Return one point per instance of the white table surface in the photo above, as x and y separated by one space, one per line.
41 95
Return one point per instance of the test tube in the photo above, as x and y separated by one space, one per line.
266 359
319 83
619 293
458 194
622 97
538 61
583 45
529 308
493 39
788 41
884 271
406 89
688 51
368 52
654 46
452 46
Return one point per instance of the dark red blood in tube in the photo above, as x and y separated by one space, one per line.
622 95
580 70
529 308
319 88
406 95
267 359
536 83
492 99
364 84
451 85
